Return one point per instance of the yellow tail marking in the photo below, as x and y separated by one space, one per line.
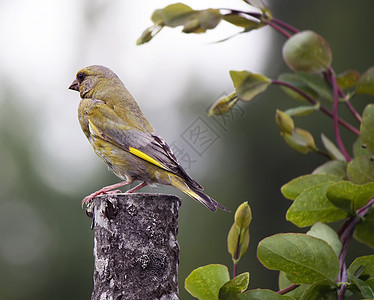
185 189
146 157
192 194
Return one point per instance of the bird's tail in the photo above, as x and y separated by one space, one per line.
197 194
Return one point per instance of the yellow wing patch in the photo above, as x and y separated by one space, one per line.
94 131
146 157
92 128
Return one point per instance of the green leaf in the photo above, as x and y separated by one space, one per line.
223 105
284 282
361 170
312 206
303 258
236 233
301 111
157 17
202 20
261 294
349 196
370 282
205 282
318 84
361 272
332 150
307 51
243 216
366 83
348 79
233 287
367 127
303 138
364 288
174 15
232 240
360 150
365 228
192 26
333 167
326 233
241 21
266 14
367 264
244 242
209 18
238 237
296 186
257 3
248 85
284 122
148 34
300 140
297 82
319 289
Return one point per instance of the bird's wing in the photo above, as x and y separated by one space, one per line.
104 122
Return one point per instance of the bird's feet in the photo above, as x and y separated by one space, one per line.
89 198
134 189
107 190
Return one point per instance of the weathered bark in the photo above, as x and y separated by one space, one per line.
136 253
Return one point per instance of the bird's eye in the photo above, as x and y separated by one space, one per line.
80 77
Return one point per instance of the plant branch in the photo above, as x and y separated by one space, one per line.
236 256
335 116
344 226
353 111
281 24
345 238
348 103
278 28
323 153
276 24
288 289
235 270
346 233
311 100
285 25
342 289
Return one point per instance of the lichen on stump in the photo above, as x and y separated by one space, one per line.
136 253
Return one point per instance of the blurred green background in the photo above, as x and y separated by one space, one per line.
47 166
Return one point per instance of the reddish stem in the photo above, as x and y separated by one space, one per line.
278 25
348 104
345 235
335 116
234 270
278 28
236 256
353 111
311 100
285 25
288 289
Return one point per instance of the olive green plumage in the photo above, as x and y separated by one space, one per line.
123 138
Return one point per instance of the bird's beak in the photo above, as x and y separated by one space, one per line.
74 85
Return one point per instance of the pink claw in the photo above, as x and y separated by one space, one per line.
89 198
105 190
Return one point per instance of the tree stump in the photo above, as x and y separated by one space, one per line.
136 253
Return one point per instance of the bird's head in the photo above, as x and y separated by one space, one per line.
92 80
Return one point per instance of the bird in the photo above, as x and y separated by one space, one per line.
124 139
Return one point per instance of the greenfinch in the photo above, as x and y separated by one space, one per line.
123 138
